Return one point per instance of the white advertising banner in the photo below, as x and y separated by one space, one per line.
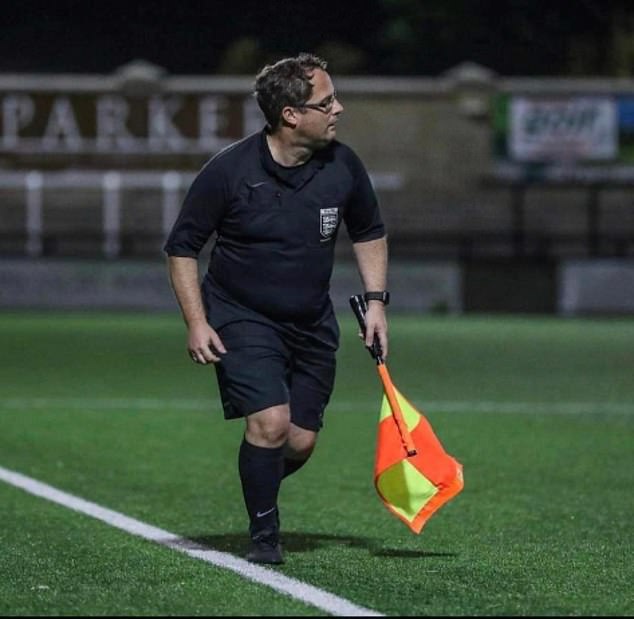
563 129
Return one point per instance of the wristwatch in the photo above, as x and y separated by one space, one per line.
383 296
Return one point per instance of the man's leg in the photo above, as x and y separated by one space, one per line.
261 464
311 383
298 449
251 377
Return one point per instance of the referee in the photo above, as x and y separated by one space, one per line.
263 314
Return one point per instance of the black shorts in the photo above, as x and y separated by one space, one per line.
269 363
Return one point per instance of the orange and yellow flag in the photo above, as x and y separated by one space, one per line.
412 487
413 474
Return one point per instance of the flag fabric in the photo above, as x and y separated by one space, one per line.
412 487
413 474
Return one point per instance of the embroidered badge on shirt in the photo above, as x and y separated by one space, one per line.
328 220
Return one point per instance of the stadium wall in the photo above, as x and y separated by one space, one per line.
567 288
498 194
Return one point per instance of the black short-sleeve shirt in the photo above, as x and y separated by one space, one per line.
276 227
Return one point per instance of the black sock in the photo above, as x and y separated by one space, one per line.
290 466
261 474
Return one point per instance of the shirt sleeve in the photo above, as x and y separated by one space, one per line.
363 217
200 213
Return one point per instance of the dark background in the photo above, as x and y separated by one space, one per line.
381 37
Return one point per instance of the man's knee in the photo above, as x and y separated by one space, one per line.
268 427
300 444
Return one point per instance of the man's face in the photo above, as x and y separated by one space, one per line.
318 117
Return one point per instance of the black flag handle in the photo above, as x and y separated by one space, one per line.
359 307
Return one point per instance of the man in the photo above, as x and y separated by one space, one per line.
263 315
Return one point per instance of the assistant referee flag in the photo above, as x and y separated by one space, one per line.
413 474
412 487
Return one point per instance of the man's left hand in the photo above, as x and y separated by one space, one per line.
376 324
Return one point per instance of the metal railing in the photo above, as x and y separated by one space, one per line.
170 184
110 183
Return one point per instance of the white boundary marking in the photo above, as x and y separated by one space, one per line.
441 406
270 578
286 585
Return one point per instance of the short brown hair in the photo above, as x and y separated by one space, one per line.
287 82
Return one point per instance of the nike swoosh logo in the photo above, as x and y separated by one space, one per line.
268 511
254 185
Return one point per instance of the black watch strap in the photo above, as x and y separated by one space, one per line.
383 296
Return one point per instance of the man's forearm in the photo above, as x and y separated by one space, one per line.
371 259
183 274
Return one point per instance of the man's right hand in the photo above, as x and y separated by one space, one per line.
204 344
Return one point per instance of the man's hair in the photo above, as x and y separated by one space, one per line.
287 82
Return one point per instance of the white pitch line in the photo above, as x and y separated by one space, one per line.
441 406
270 578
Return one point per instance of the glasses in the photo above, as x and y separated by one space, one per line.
324 106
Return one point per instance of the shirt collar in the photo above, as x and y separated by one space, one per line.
295 180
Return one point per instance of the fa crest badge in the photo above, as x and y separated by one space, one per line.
328 220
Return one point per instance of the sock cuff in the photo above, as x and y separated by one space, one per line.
261 452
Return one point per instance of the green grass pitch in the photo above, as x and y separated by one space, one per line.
108 407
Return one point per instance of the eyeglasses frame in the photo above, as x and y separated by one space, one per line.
320 107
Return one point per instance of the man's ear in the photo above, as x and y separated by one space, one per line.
290 116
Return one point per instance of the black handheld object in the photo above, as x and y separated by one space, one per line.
359 307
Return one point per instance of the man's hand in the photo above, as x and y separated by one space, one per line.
376 324
204 344
372 262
